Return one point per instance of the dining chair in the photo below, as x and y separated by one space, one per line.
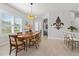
34 40
39 36
37 39
22 39
72 42
16 44
75 41
67 38
31 41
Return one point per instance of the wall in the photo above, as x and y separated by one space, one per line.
65 18
63 11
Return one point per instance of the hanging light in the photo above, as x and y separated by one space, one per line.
30 16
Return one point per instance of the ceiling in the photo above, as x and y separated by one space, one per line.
43 8
37 9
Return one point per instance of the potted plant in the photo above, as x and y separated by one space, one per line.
72 28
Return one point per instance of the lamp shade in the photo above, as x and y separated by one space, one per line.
30 17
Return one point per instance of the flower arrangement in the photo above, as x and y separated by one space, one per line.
72 28
28 27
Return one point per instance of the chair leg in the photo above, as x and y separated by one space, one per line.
36 44
24 46
75 45
16 51
64 41
29 43
10 50
72 46
68 43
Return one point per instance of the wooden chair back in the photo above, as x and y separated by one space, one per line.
19 33
13 39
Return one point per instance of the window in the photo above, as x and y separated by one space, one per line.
36 26
6 23
17 24
9 23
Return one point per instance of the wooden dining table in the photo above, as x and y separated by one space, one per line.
27 36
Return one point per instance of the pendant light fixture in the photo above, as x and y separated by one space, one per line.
30 16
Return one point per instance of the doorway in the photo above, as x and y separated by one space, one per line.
45 27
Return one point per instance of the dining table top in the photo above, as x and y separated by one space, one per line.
24 35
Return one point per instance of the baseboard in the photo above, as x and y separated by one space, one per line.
56 38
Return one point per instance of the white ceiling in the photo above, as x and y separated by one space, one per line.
37 9
43 8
